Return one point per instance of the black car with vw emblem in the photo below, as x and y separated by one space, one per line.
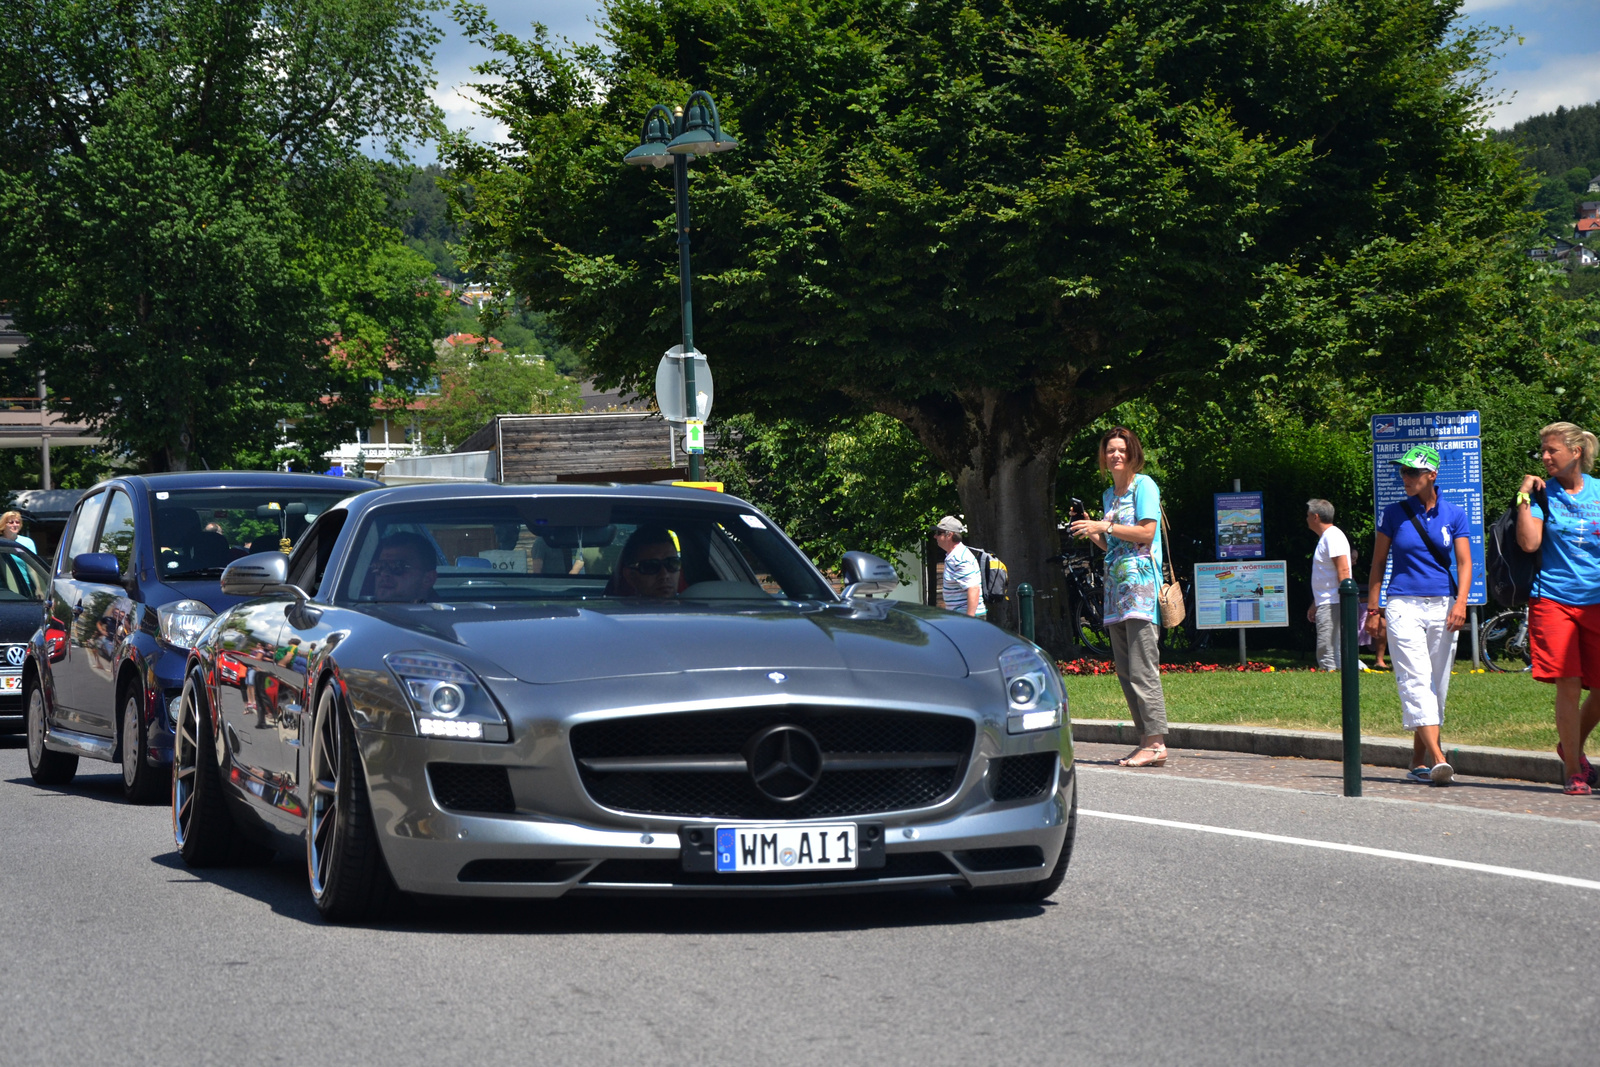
549 690
23 581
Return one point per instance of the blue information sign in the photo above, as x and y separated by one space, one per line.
1239 530
1456 436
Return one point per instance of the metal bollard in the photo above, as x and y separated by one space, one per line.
1025 610
1350 686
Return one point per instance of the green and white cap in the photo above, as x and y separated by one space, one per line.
1420 458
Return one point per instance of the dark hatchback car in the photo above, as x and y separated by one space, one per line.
23 581
136 579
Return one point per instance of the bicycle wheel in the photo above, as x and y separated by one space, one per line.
1503 641
1087 631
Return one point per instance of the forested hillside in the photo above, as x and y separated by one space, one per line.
1564 147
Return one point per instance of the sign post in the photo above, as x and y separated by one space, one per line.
1457 436
1241 534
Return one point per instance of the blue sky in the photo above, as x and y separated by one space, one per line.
1556 62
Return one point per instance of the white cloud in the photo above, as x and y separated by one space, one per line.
1560 81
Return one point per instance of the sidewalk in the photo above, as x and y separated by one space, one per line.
1316 745
1327 777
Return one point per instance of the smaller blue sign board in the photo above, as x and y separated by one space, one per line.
1240 533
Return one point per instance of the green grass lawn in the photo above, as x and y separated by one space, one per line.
1505 710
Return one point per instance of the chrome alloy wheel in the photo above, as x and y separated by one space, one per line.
185 762
322 839
35 725
130 740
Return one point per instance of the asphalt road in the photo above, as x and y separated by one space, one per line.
1166 945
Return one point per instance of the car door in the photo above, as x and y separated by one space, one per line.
71 675
248 690
104 614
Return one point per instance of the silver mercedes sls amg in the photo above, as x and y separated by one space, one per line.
541 690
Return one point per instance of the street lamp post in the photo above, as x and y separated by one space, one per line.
675 137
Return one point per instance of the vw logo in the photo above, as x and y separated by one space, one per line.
785 762
16 654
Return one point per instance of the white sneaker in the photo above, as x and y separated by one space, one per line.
1442 773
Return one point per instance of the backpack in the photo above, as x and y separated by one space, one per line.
992 574
1507 568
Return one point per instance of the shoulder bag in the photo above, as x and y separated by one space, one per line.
1173 611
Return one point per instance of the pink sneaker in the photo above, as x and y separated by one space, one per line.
1577 787
1590 775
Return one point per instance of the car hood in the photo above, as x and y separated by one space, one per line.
555 643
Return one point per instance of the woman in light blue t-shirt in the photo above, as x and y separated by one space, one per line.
11 530
1130 535
1558 516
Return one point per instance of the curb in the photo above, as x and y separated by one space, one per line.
1313 744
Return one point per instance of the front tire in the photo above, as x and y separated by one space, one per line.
141 783
47 767
350 882
202 827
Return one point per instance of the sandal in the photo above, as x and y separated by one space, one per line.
1158 757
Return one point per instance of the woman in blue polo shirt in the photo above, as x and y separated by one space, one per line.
1563 526
1427 604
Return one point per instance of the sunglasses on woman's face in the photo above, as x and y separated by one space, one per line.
652 567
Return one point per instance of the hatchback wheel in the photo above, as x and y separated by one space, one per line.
349 880
141 783
47 767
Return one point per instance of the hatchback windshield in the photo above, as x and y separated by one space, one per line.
573 548
200 531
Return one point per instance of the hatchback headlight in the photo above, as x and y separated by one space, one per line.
446 698
1033 690
182 623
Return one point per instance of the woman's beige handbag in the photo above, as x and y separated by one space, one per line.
1173 611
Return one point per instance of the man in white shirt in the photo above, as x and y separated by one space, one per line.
962 588
1330 564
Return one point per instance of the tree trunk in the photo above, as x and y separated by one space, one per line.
1002 450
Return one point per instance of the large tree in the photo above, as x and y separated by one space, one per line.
191 230
993 220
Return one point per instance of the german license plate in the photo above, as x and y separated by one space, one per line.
745 849
10 683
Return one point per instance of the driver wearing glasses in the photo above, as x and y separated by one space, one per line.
650 564
405 569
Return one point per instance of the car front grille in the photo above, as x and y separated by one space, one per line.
1021 777
472 787
694 765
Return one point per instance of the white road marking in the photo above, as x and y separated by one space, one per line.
1332 846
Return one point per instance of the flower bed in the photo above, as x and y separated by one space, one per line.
1087 665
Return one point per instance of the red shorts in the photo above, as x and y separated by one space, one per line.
1565 641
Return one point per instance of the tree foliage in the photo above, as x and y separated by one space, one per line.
996 222
479 379
194 240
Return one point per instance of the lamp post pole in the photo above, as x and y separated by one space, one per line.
691 405
694 130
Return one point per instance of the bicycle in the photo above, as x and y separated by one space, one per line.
1503 642
1085 601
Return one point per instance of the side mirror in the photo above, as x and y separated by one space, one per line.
267 574
98 567
262 574
868 575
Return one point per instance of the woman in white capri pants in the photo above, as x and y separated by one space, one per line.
1427 604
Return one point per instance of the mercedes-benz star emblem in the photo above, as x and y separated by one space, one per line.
16 654
777 677
785 762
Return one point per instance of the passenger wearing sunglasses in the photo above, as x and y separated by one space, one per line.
405 569
650 564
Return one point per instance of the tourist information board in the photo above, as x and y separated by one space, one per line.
1458 438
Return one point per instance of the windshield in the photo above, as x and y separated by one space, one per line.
200 531
21 578
573 548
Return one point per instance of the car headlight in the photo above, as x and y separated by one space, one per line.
183 623
447 700
1033 690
